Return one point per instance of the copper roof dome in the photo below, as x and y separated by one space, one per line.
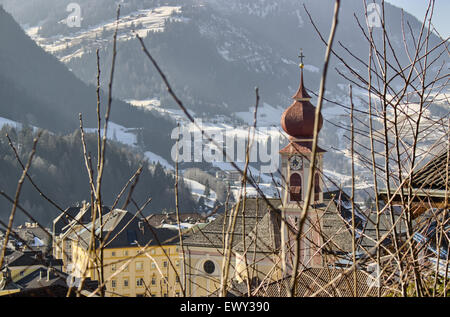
298 119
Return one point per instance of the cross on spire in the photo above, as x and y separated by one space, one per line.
301 56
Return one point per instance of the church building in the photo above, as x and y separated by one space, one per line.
265 229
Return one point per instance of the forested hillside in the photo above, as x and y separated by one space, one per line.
39 90
59 170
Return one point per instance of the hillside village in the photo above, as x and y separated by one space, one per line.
177 148
171 254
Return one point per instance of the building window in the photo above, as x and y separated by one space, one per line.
113 283
125 253
139 282
295 184
177 262
165 263
153 265
177 279
152 251
113 253
113 267
140 295
153 280
317 188
209 267
125 282
139 266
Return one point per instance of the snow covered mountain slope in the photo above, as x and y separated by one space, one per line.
215 52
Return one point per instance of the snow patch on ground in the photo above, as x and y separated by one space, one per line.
154 104
14 124
145 103
308 67
154 158
269 190
268 115
75 45
183 225
311 68
198 190
253 172
117 133
338 178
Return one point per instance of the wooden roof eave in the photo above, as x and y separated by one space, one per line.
434 193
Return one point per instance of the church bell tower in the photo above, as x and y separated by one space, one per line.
298 122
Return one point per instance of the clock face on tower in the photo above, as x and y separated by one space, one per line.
295 162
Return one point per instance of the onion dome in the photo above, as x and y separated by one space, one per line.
298 120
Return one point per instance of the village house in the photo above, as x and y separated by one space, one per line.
63 227
30 273
428 194
138 259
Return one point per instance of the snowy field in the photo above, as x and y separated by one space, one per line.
269 190
198 191
267 115
117 133
14 124
4 121
154 104
140 22
154 158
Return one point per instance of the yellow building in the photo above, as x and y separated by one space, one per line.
204 249
138 260
71 220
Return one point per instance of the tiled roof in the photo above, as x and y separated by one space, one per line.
264 228
125 230
171 218
73 216
46 291
64 219
337 219
212 235
298 119
265 236
433 175
39 279
19 258
300 147
323 282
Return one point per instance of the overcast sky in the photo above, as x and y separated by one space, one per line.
441 14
